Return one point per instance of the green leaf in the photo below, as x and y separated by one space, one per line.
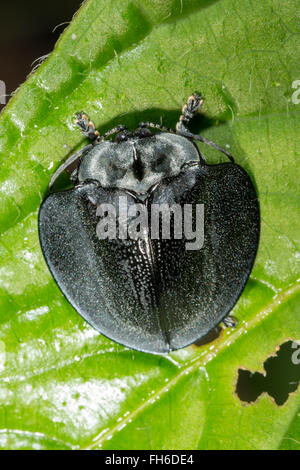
62 385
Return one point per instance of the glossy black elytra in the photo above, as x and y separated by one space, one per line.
150 294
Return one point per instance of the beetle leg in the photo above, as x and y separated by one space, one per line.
68 163
230 322
74 175
188 110
86 126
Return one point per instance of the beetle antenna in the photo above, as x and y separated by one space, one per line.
192 105
156 126
114 130
194 102
87 127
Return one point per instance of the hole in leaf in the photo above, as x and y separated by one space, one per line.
282 376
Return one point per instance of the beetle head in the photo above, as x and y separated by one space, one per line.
139 133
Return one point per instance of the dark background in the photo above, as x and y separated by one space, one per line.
26 33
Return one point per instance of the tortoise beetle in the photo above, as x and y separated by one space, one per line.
149 292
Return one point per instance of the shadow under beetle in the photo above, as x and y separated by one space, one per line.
149 294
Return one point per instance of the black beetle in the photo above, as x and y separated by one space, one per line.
150 292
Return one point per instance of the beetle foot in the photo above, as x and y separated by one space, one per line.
230 322
86 126
194 102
